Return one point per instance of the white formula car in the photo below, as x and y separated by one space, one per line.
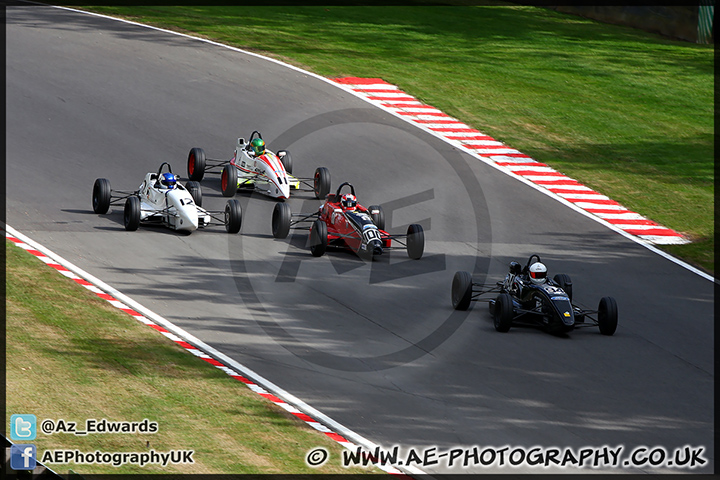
254 167
161 199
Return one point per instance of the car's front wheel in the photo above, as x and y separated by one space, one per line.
101 195
131 213
415 241
233 216
281 220
318 238
503 312
461 290
607 315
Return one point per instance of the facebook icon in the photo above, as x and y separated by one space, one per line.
22 457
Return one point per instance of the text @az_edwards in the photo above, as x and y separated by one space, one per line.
686 457
93 426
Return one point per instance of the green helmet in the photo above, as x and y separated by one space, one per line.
258 146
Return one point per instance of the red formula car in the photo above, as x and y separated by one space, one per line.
344 223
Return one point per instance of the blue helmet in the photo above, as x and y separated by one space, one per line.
168 180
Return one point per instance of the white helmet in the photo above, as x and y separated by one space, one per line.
538 273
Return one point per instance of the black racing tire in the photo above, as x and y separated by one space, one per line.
503 316
415 241
196 164
281 220
233 216
563 280
461 290
195 191
321 182
379 217
229 181
607 315
286 160
101 195
131 213
318 238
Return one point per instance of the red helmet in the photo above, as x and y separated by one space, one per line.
348 201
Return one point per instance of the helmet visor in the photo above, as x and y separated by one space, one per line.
538 275
348 201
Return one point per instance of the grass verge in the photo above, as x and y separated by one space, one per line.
628 113
72 356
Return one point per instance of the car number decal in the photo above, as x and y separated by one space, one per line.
370 235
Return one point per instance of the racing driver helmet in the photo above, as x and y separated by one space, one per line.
257 146
168 180
348 202
538 273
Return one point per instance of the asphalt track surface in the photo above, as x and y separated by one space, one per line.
377 347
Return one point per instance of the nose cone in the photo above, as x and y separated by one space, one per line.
565 310
187 217
278 185
375 247
285 190
187 220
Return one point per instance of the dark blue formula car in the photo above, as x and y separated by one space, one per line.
526 297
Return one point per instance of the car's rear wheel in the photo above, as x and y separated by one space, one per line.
196 164
415 241
101 195
321 182
607 315
564 282
131 213
286 160
195 191
281 220
503 312
229 181
378 217
461 290
318 238
233 216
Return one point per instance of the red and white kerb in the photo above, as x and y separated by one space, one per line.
389 97
194 350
